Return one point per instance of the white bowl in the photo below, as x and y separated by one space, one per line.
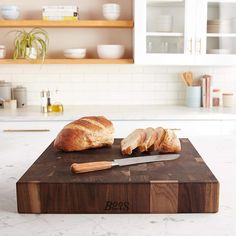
10 12
78 53
111 6
111 11
110 51
111 16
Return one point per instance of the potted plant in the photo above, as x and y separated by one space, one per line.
31 45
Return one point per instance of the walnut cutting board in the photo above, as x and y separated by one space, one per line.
185 185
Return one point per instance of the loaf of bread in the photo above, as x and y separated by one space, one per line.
85 133
148 140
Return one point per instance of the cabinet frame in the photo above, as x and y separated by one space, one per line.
195 38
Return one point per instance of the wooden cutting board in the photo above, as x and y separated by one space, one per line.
185 185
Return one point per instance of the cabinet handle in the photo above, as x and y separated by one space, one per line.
25 130
199 46
190 46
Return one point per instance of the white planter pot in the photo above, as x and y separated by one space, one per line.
31 53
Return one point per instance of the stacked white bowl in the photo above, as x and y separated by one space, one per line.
164 23
76 53
111 11
10 12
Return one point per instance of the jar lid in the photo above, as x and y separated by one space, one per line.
19 88
4 84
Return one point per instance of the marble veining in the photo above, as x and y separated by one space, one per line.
18 152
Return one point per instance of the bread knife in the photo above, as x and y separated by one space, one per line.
104 165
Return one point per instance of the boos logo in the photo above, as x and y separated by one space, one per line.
116 206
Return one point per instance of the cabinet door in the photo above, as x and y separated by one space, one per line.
216 32
164 32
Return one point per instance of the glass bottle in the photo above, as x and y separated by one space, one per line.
49 105
216 96
57 105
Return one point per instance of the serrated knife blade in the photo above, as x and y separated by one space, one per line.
144 159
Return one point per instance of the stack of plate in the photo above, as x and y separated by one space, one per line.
218 26
218 51
234 25
164 23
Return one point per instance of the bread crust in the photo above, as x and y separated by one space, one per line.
85 133
170 143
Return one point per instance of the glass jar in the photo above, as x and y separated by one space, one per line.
2 52
57 105
216 97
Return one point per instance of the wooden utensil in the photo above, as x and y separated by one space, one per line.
183 79
189 78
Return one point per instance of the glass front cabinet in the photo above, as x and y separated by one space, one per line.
185 32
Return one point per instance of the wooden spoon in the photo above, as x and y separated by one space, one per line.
183 79
189 78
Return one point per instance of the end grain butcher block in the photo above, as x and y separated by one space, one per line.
185 185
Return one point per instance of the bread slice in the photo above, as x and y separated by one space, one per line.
148 144
160 132
132 141
169 142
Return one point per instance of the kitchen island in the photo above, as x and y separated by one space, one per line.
20 150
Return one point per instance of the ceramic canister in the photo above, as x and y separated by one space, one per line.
193 96
228 99
20 94
5 90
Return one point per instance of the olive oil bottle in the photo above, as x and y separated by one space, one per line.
57 105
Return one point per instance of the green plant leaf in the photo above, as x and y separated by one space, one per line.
36 38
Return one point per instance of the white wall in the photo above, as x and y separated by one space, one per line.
112 84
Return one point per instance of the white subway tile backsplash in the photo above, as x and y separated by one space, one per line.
113 84
154 69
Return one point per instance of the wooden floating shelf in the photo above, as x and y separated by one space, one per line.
66 24
68 61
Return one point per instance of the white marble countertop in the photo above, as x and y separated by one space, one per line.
121 112
20 150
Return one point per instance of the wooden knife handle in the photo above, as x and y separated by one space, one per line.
90 167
